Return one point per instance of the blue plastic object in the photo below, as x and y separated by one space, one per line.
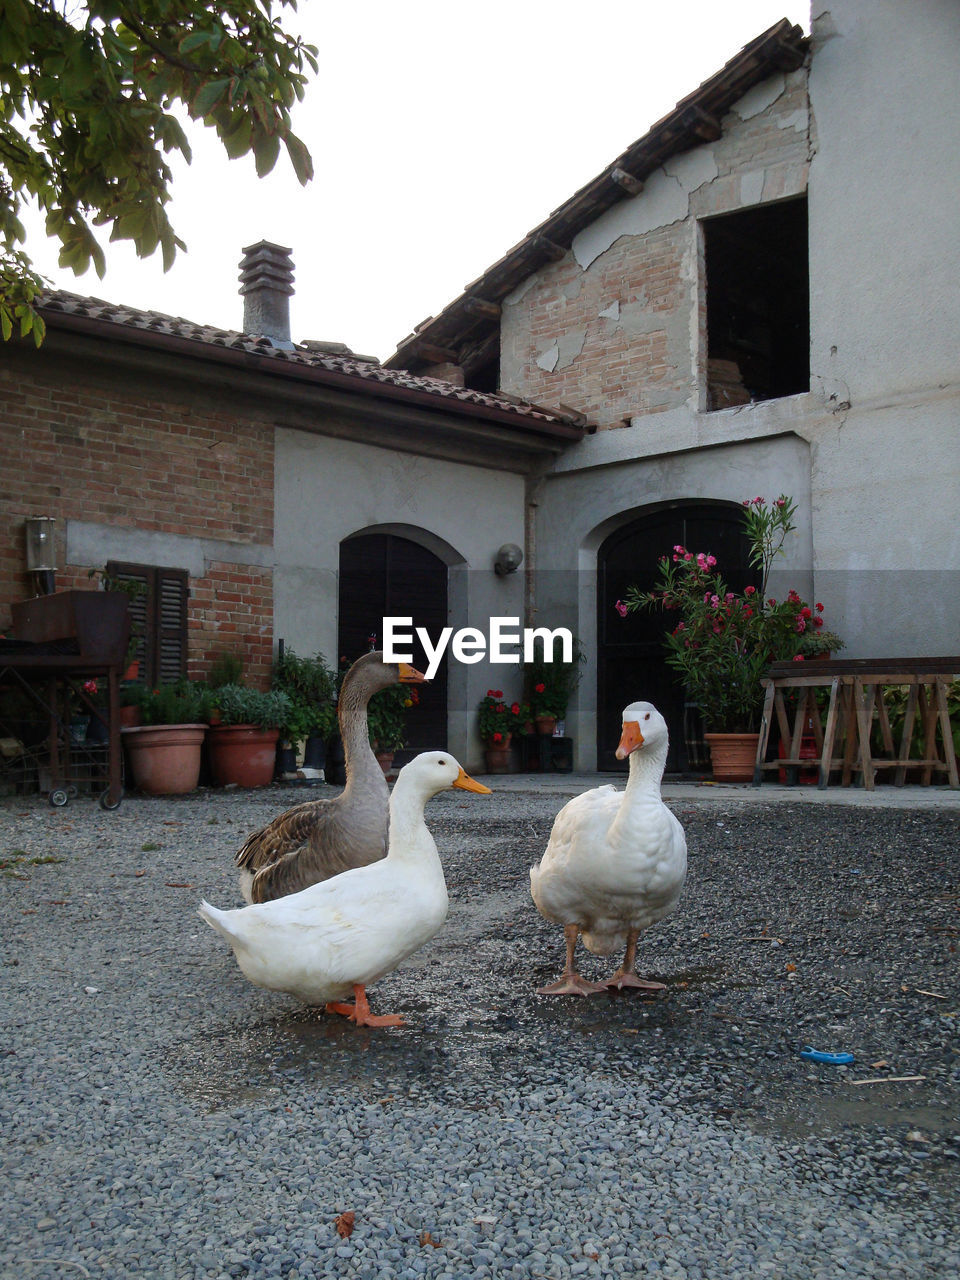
815 1055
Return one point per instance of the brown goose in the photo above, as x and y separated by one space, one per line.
321 838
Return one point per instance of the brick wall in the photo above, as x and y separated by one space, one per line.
78 445
624 337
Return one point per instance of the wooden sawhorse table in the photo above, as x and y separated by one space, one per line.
855 697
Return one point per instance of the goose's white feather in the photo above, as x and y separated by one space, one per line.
359 925
616 860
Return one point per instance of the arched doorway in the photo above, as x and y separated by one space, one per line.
384 575
631 658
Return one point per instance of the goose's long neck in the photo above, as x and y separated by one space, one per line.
362 770
410 837
646 766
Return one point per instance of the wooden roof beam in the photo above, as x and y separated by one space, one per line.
702 124
633 186
481 309
552 251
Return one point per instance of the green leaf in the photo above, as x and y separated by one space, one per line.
265 152
300 158
208 96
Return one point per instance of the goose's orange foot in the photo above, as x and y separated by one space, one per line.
359 1011
570 984
623 980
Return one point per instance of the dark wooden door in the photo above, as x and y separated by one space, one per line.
382 575
631 662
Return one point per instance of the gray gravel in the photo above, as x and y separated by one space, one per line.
163 1118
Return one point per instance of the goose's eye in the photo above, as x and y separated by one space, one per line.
441 762
647 716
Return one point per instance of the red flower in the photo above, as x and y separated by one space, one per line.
749 591
539 688
497 737
515 708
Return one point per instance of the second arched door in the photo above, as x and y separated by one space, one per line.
631 661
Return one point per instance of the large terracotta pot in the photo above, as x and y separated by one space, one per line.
164 758
242 754
733 755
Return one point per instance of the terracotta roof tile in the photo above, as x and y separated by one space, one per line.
364 369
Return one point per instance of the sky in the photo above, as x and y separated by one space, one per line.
441 133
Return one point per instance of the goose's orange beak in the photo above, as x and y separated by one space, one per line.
410 675
466 783
630 739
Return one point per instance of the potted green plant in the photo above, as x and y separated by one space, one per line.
386 721
310 684
497 721
723 641
164 750
242 743
549 686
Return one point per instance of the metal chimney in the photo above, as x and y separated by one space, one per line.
266 283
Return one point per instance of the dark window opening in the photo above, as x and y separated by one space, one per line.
159 621
758 304
485 377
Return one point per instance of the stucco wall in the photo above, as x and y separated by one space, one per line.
462 513
885 315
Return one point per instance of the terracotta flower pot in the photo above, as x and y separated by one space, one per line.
129 717
733 755
497 759
546 724
242 754
385 760
164 758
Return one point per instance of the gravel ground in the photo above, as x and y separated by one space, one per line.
163 1118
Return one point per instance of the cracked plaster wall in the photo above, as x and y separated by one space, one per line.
615 327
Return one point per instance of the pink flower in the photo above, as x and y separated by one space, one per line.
749 591
679 549
621 608
798 657
801 625
688 555
758 502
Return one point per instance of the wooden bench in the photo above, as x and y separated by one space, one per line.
855 698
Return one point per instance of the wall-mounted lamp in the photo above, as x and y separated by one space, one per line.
508 559
41 551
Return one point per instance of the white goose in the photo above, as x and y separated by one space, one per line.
340 935
615 862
